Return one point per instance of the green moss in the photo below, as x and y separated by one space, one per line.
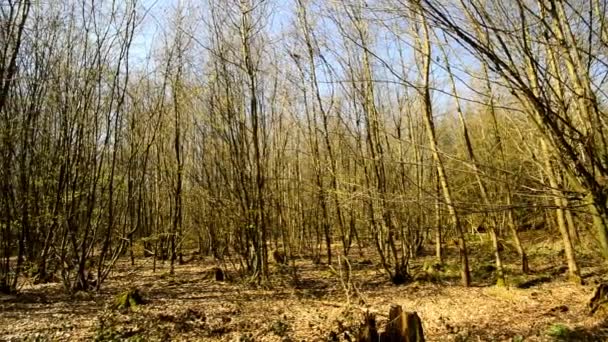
128 300
433 266
575 279
559 332
500 282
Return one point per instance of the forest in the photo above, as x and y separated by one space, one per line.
288 170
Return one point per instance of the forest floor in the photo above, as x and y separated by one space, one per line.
192 306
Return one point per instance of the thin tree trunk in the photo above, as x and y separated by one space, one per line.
442 177
573 270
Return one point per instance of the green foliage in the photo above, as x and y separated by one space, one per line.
485 271
559 332
31 269
433 266
436 272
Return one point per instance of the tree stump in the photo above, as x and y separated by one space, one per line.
218 273
279 257
401 327
599 299
128 300
368 332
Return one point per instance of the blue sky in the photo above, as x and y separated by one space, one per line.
158 12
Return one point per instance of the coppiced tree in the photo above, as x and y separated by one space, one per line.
13 20
556 87
385 124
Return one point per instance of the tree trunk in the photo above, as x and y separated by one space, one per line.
441 175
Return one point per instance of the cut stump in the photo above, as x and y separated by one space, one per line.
128 300
218 274
368 332
279 257
401 327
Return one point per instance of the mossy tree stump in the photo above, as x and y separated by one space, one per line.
128 300
401 327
